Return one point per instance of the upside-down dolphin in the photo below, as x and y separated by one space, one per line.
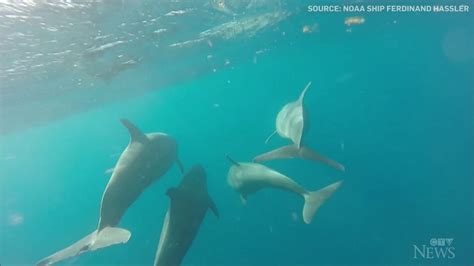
189 204
292 123
146 158
248 178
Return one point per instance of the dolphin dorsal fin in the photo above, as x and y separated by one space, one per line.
303 93
135 133
232 161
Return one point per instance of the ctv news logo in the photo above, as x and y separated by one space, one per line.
438 248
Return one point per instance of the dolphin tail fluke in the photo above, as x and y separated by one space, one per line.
314 200
291 151
95 240
311 155
71 251
285 152
109 236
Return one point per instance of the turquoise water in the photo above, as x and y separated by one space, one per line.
391 100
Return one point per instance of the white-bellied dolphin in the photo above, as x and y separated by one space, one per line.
292 123
292 120
146 158
248 178
189 204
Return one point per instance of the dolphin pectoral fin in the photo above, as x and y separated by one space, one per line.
180 166
270 137
314 200
110 236
213 207
135 133
311 155
285 152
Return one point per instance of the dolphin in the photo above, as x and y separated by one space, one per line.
292 123
189 204
146 158
248 178
292 120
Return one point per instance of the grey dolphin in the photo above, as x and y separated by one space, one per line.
146 158
292 123
248 178
189 204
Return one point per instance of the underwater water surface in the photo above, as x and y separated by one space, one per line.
391 99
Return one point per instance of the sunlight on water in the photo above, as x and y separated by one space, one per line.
73 46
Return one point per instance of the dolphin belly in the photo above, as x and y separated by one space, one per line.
115 202
125 190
